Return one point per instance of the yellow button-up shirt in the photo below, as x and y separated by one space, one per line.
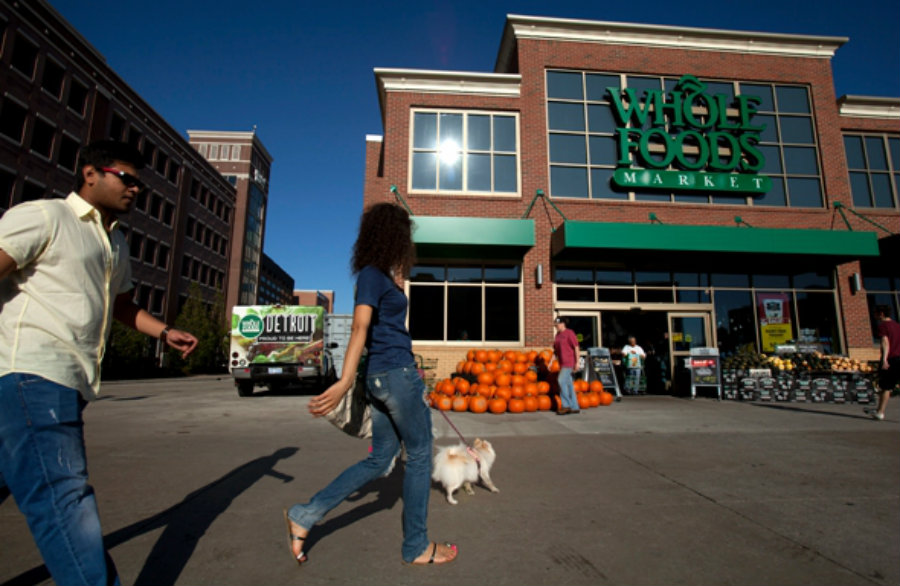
56 309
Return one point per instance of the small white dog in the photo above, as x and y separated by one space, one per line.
454 467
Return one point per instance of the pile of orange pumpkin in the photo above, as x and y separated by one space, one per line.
509 381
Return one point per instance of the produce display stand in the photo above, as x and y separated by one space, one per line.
802 386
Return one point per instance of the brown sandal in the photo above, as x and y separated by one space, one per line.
301 559
434 553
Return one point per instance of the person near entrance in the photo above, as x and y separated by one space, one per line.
889 373
64 274
565 350
633 359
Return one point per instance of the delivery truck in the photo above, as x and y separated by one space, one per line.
277 345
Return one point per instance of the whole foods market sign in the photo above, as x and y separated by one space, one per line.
717 150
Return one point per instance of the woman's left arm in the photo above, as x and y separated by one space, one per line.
328 400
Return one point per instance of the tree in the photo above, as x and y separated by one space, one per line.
205 321
129 354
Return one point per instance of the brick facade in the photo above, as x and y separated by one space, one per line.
529 56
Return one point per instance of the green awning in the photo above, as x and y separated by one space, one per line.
576 236
486 238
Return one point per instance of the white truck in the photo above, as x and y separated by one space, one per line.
276 345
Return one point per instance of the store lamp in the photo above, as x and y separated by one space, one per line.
855 283
539 275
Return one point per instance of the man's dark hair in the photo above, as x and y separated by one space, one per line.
883 310
102 153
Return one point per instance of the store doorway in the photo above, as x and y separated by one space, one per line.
651 332
686 331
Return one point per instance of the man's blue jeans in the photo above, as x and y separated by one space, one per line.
42 461
399 414
567 389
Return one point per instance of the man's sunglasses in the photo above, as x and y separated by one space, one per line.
127 178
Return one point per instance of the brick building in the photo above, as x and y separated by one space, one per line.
693 187
276 287
244 161
58 93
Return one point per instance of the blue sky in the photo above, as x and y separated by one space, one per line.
302 73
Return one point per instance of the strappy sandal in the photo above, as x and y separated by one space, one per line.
301 559
434 553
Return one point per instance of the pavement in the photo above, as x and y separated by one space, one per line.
192 479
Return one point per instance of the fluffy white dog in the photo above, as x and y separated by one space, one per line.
455 466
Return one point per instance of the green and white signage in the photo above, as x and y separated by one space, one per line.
712 142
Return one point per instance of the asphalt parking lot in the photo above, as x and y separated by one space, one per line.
192 480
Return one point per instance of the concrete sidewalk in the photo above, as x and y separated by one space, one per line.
652 490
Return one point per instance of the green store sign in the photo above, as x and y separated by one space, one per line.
251 326
692 130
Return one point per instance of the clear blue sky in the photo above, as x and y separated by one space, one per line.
302 72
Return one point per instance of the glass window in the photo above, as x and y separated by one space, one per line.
603 150
42 134
505 134
875 153
510 274
479 132
596 84
602 186
564 85
817 321
581 294
78 97
859 186
24 56
655 279
615 295
609 277
569 181
792 99
730 280
881 188
501 314
574 275
12 119
763 92
464 152
565 116
52 80
805 193
426 312
801 160
854 150
772 281
813 280
464 313
654 295
424 130
464 274
735 321
797 129
567 148
601 119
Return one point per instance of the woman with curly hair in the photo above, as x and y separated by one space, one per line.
382 258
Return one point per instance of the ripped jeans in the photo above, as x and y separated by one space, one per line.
42 462
399 415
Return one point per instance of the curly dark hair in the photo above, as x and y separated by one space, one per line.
385 240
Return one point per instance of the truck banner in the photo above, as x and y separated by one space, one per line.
275 333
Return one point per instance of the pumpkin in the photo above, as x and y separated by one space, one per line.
518 391
531 389
445 403
503 380
596 386
510 355
583 400
543 387
478 404
531 403
462 386
520 368
516 405
495 356
545 403
504 393
460 403
496 405
531 375
481 356
606 398
532 356
505 366
593 398
486 378
447 387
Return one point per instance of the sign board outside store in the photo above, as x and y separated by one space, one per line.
705 370
600 367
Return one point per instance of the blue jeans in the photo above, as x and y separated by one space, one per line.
42 461
567 389
632 380
399 414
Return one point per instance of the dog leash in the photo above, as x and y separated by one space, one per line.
469 448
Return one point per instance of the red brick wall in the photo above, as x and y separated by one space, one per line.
534 57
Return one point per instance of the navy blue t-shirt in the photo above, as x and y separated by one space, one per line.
388 343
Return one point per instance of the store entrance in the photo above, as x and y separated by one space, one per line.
651 332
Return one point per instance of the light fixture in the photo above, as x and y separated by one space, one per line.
539 274
855 283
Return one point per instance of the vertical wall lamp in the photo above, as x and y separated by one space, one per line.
855 283
539 275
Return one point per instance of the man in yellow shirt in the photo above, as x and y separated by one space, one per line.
64 274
